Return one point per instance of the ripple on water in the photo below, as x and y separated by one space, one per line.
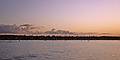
57 51
22 57
6 59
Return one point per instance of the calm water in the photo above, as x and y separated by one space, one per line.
60 50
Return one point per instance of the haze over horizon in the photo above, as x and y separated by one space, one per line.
74 15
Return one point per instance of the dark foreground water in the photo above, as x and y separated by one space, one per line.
60 50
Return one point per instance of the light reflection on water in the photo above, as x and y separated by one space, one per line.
60 50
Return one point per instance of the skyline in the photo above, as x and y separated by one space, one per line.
74 15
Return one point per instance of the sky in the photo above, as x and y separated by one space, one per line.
101 16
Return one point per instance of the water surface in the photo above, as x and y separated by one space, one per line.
60 50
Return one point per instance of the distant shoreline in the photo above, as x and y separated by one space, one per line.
24 37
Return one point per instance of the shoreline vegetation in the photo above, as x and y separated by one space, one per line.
25 37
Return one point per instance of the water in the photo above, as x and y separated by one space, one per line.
60 50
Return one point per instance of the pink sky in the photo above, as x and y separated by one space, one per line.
74 15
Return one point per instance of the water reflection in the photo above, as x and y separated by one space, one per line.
60 50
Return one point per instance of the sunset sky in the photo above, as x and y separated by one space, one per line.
74 15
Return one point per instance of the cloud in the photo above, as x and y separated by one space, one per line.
8 28
28 28
54 31
24 28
